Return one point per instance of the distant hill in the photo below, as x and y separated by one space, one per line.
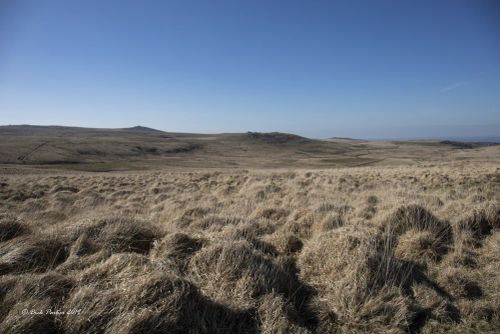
142 129
469 144
141 147
276 137
481 139
56 130
345 139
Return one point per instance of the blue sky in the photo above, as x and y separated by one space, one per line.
317 68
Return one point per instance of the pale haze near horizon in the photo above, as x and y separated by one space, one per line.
383 69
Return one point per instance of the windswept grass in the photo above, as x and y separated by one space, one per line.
360 250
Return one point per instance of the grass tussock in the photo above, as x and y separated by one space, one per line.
360 280
11 227
481 222
236 271
380 250
32 254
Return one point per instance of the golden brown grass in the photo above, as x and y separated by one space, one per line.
360 250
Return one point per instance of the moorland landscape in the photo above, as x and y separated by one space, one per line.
141 231
249 167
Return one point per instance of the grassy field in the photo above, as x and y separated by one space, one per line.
406 243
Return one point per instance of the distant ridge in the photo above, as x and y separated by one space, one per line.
276 137
465 139
140 128
76 128
138 147
462 144
345 138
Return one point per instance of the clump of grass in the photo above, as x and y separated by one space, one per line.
16 322
481 222
252 234
100 307
32 254
459 284
236 272
116 234
51 285
277 316
11 227
420 247
284 243
117 268
273 213
417 235
128 235
155 303
82 246
215 223
174 251
358 279
435 306
332 222
34 290
415 217
75 264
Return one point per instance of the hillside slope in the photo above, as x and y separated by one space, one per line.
141 147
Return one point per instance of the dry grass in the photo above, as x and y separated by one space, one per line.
360 250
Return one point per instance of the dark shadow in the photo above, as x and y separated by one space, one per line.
419 320
201 315
300 296
417 276
472 290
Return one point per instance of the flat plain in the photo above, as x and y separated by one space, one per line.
141 231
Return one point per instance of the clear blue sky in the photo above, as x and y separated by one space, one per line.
317 68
